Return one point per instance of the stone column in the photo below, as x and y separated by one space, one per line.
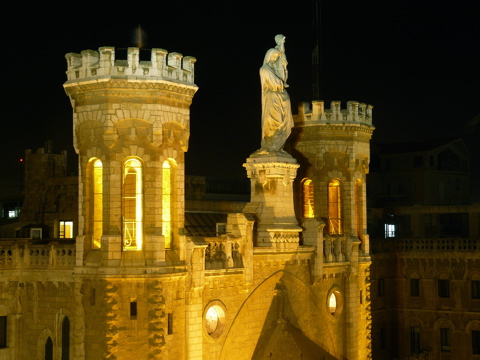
271 176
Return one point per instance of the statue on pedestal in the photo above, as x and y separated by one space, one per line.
277 120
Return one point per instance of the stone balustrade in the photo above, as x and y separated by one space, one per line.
426 244
334 249
223 253
22 253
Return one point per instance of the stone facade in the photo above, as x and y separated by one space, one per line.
285 283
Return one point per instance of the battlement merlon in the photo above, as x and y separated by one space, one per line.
90 65
316 113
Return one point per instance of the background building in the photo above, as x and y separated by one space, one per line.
425 246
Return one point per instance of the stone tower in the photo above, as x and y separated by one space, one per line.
131 130
332 148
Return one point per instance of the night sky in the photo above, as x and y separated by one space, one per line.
416 62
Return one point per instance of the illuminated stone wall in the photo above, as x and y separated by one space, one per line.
212 298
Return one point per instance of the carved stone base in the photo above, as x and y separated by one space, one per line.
271 175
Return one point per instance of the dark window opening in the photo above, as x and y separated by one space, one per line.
170 323
3 331
414 287
133 310
445 339
415 339
444 288
475 289
65 339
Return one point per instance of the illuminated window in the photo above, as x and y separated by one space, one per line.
332 303
335 208
168 174
211 320
65 230
214 319
390 230
358 207
132 204
97 203
308 209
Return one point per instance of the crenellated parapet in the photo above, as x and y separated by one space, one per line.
316 113
93 65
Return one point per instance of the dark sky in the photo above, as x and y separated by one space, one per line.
416 62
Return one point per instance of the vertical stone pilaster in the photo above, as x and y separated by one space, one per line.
78 323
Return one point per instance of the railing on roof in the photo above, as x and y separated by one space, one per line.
426 244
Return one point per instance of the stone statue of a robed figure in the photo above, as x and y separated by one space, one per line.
277 120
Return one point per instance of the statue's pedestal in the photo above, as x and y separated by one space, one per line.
271 175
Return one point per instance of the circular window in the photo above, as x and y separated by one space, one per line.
214 319
211 320
334 302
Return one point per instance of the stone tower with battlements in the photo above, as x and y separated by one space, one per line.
131 130
332 146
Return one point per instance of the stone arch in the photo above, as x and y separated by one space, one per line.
42 338
60 318
10 307
273 302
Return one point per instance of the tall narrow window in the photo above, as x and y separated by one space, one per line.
65 339
132 205
445 339
49 349
308 209
476 342
97 184
381 287
335 208
65 229
415 339
168 170
3 332
359 208
476 289
444 288
415 287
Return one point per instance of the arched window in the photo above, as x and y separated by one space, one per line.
65 339
335 207
359 208
308 209
97 197
49 349
132 205
168 175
